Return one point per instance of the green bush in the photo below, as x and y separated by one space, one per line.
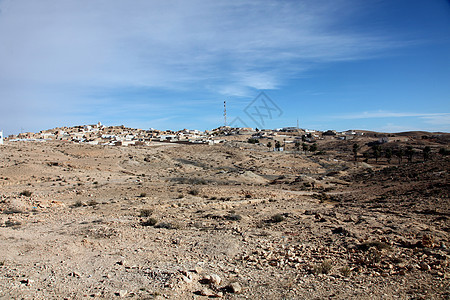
193 192
324 267
77 204
167 225
26 193
144 213
149 222
234 217
277 218
92 202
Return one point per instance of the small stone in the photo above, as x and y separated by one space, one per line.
198 269
27 281
75 274
215 279
123 293
424 267
186 279
206 278
235 287
206 292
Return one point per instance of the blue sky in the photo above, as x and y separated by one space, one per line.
344 64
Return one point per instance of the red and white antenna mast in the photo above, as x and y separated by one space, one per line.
225 112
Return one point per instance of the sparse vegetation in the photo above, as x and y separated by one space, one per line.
234 217
146 212
194 192
323 268
277 218
142 195
78 203
26 193
92 202
346 271
149 222
168 225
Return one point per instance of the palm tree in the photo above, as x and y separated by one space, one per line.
426 152
376 152
277 145
305 147
366 156
355 151
409 153
444 152
269 145
399 153
388 154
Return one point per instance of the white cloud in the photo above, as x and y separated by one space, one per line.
242 44
438 118
54 53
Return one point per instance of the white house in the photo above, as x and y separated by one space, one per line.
1 137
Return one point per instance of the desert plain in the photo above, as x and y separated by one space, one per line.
232 220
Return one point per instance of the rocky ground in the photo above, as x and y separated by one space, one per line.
230 220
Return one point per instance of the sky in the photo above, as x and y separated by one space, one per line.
343 64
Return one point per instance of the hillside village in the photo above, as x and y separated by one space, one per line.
99 134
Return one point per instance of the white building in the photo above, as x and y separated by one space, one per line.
1 137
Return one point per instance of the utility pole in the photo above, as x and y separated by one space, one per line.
225 112
297 123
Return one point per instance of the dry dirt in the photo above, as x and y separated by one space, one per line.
232 221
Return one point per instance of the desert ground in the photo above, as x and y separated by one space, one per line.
233 221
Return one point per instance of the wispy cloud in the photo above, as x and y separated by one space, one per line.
394 123
63 57
438 118
442 119
231 46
